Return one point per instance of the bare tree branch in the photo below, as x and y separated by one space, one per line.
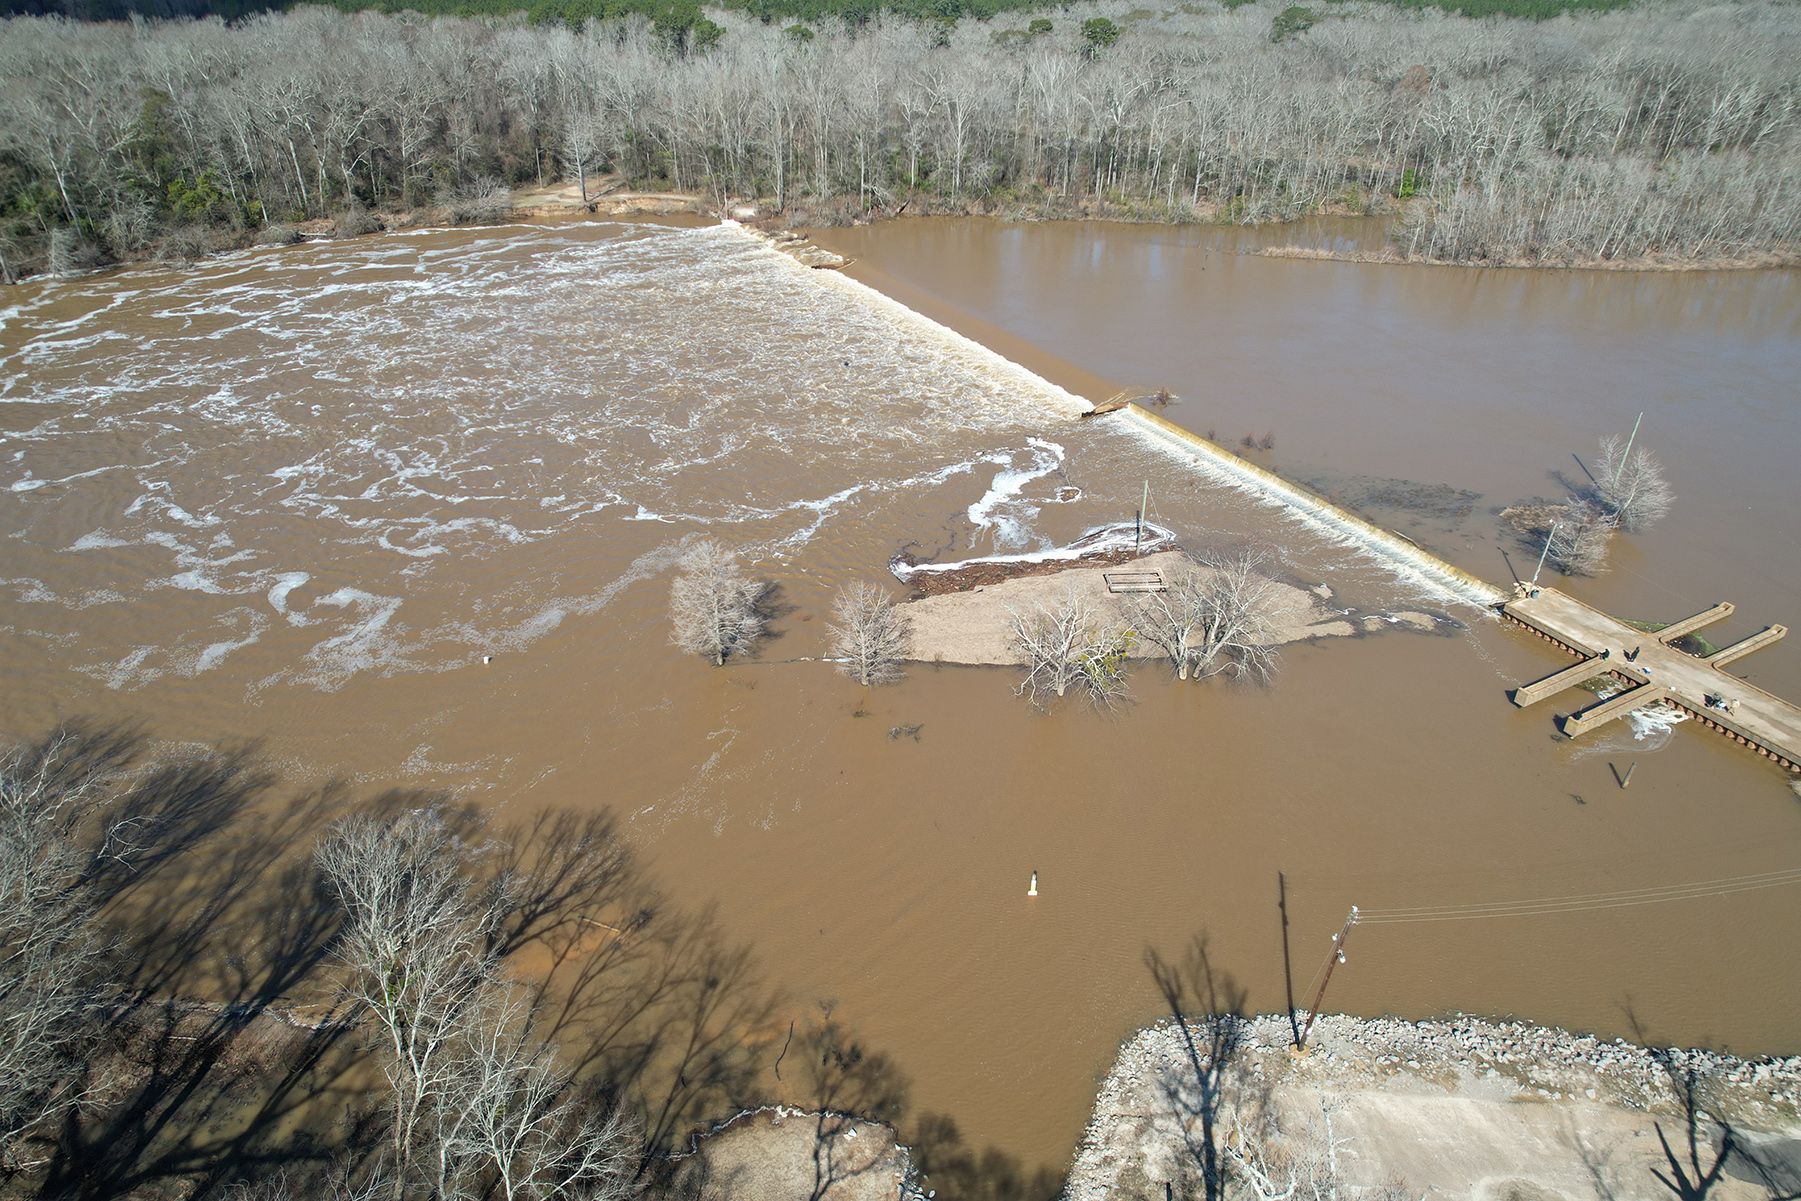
715 609
1071 645
1217 617
869 633
1630 486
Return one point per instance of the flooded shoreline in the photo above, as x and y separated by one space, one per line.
300 495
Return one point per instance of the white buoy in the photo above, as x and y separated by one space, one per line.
1033 890
487 659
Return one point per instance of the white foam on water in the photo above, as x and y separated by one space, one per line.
285 583
1654 723
357 404
1009 529
822 510
965 352
215 653
99 540
127 671
1097 540
31 590
168 508
331 664
196 581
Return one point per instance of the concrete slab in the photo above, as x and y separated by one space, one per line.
1753 717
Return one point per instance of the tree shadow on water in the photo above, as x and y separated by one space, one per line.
957 1171
211 916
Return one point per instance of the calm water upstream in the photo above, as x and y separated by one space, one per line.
300 493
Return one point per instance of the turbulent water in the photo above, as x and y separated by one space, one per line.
406 507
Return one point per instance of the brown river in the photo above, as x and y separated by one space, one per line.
299 494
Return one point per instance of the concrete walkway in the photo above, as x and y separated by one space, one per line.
1657 671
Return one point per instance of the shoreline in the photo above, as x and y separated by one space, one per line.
1462 1106
1454 1106
1650 264
547 204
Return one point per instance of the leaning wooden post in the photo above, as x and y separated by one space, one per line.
1337 958
1542 554
1627 451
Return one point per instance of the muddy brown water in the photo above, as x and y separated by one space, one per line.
300 493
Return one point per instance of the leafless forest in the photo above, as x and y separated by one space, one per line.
1667 131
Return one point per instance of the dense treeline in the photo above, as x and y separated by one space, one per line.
573 12
1662 131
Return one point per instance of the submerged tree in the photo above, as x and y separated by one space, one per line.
1071 645
1579 537
1630 485
1573 537
870 635
716 609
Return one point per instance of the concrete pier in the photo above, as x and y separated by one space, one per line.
1569 677
1689 625
1614 706
1656 672
1745 646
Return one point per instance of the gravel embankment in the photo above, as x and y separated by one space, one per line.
1506 1080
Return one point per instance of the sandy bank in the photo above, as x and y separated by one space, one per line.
781 1154
971 626
1461 1108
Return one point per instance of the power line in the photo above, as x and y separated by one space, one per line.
1582 902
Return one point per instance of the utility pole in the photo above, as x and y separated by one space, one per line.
1337 958
1144 504
1287 970
1542 554
1628 450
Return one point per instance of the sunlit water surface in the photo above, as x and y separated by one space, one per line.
302 494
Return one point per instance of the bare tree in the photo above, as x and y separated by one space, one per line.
513 1117
1573 536
48 941
1578 538
870 634
1167 619
716 609
1230 606
1071 645
483 198
415 950
1632 137
1630 485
